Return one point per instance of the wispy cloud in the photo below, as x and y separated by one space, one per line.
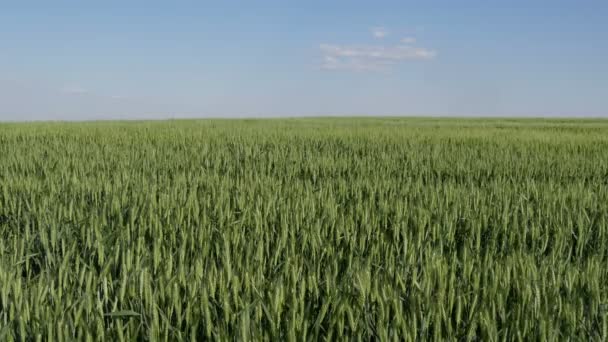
372 57
354 64
379 32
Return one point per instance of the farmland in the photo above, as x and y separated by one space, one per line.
304 229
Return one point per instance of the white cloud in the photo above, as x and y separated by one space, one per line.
379 32
355 64
396 53
370 58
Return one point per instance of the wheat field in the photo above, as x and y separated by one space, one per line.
304 229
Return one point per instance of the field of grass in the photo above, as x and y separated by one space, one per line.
304 229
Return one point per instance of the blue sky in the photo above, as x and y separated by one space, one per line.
151 59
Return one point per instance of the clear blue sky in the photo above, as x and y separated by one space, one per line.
152 59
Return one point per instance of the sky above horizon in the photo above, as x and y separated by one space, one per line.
75 60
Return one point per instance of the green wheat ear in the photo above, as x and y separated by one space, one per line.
333 229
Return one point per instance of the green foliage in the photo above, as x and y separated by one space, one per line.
311 229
